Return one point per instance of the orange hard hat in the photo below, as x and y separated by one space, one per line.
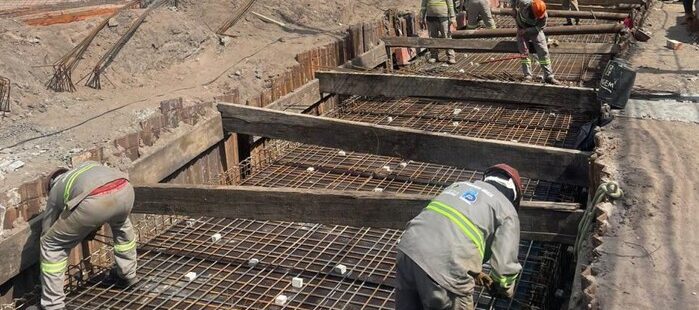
538 8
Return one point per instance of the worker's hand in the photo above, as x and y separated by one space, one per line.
521 32
483 279
502 292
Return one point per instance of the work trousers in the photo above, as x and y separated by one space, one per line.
415 290
73 226
571 4
480 8
438 27
538 41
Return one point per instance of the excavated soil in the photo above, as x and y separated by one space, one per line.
175 53
649 255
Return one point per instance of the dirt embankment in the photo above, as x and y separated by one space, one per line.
649 255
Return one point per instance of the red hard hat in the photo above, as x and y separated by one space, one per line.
54 174
538 8
513 174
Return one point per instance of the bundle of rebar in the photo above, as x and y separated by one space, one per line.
63 68
94 79
235 18
4 94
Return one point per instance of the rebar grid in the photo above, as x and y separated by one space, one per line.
225 279
289 165
576 69
506 122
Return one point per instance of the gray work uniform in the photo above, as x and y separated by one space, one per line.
72 213
480 8
534 33
465 226
571 4
437 13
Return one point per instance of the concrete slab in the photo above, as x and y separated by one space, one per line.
667 110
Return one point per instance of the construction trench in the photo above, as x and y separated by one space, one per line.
331 131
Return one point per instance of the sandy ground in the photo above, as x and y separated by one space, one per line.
649 256
173 54
659 68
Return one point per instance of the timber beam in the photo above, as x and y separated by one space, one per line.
571 14
538 162
544 221
549 31
404 85
492 46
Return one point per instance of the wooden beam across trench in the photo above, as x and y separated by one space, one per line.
405 85
494 46
538 162
543 221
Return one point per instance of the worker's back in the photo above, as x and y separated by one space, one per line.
456 232
74 185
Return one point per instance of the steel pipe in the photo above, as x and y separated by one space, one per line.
556 30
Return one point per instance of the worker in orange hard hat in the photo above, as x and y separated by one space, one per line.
442 250
531 16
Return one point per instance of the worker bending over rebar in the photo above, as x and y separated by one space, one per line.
440 18
80 201
530 17
442 251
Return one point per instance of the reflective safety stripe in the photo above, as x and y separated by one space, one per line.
437 3
71 180
526 61
54 268
125 247
545 62
505 281
461 221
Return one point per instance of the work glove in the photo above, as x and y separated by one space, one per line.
481 279
452 24
496 290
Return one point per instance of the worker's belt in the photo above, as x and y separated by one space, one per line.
461 221
110 187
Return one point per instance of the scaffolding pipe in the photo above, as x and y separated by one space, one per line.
556 30
571 14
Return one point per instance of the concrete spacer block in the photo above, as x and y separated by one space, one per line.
216 237
190 276
340 269
297 282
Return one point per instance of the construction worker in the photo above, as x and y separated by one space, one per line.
689 9
530 17
480 8
439 16
568 5
441 252
80 201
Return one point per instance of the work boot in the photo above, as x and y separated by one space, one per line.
451 60
111 279
528 78
432 60
551 80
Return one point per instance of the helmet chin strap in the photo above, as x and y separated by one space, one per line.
504 182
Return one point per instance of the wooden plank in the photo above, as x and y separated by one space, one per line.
175 154
492 46
547 221
539 162
549 31
300 99
20 250
70 16
369 60
601 15
404 85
